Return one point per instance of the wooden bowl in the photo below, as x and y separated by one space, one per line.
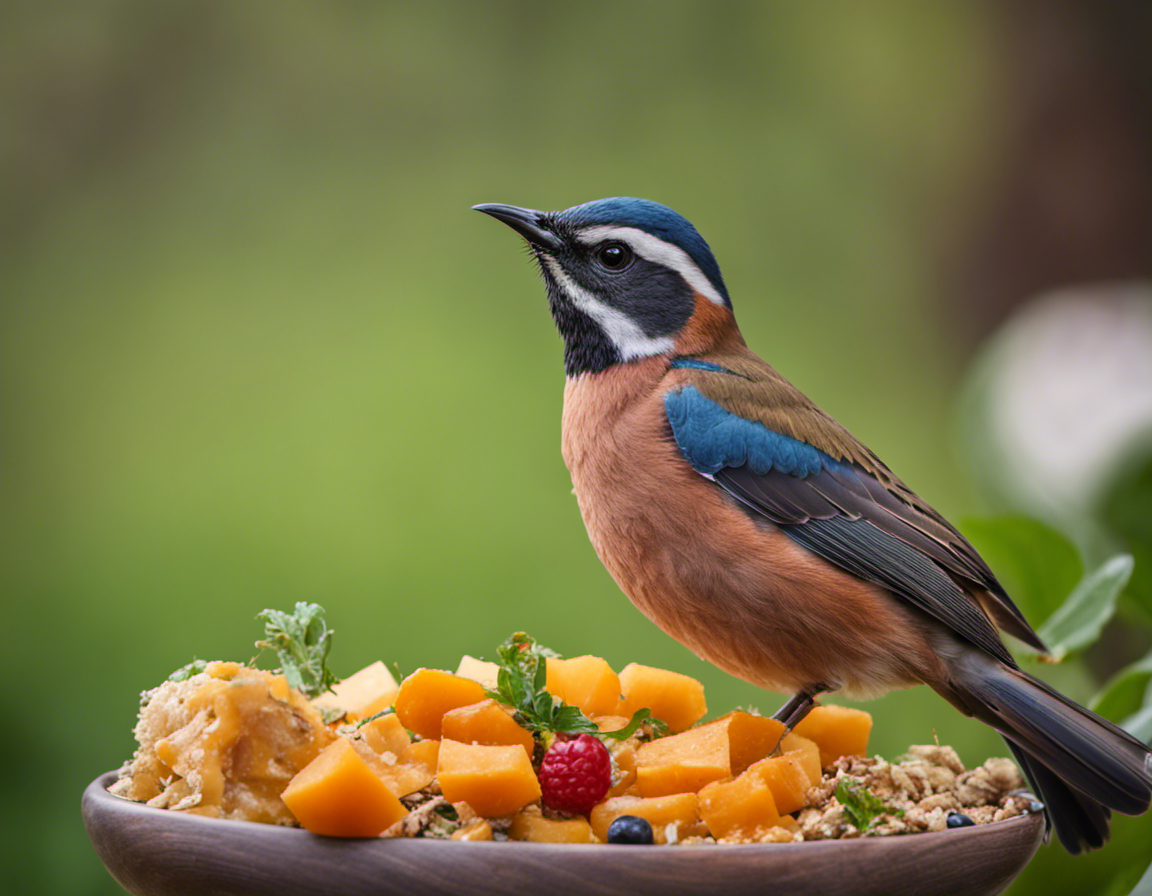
155 852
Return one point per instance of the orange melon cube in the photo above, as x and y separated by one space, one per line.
837 730
683 763
386 735
480 671
486 722
474 830
750 737
359 696
584 681
427 694
786 778
338 794
494 781
808 754
676 699
530 824
414 769
675 815
741 807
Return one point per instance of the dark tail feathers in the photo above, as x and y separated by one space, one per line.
1080 765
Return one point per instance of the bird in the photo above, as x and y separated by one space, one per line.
752 527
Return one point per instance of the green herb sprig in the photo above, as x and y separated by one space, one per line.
861 805
301 640
521 683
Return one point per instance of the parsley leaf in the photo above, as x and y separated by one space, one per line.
521 683
185 672
861 805
301 640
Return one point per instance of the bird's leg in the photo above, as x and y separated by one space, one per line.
798 706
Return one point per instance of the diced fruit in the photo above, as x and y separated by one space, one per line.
530 824
369 691
386 735
741 807
630 829
584 681
678 810
683 763
474 830
486 722
494 781
339 794
837 730
786 778
427 694
575 773
610 723
480 671
676 699
808 754
414 769
750 737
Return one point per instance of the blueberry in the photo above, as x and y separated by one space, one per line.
631 829
959 820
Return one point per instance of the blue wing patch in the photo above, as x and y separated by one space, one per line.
711 438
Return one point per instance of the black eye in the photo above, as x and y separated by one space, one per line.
614 256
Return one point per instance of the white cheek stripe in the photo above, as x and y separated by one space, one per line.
660 251
628 338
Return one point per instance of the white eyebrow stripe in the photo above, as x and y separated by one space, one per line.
628 338
655 249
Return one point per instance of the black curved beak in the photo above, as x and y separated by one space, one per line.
525 221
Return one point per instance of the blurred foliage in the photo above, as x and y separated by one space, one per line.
258 351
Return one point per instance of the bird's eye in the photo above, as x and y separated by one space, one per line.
614 256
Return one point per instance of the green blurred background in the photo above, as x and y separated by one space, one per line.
257 349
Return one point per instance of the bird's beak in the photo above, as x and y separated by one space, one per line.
525 221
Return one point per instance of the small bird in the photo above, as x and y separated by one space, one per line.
755 529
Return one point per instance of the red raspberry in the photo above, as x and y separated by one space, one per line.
575 773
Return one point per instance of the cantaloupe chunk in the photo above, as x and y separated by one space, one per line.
494 781
480 671
750 737
742 807
584 681
677 811
386 735
486 722
369 691
474 830
683 763
414 769
427 694
837 730
530 824
786 778
338 794
676 699
808 754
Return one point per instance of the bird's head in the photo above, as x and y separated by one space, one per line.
627 279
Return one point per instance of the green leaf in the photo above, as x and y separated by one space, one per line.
1081 617
1139 724
1036 564
860 804
185 672
301 640
1126 691
638 718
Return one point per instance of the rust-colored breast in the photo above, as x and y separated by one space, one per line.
734 589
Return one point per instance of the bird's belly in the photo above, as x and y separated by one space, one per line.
736 591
